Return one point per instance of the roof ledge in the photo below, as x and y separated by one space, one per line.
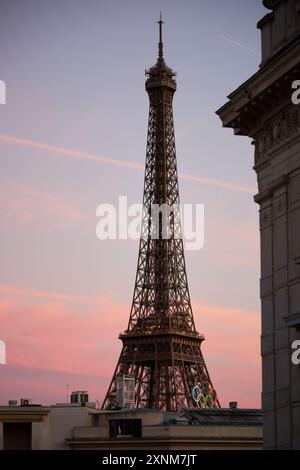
271 4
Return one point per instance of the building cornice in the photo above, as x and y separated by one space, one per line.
271 4
272 83
268 193
32 414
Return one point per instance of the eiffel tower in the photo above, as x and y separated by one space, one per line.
161 347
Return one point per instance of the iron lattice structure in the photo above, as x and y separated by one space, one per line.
161 347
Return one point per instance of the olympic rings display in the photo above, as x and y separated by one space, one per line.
203 397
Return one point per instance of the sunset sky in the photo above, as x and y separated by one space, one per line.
72 136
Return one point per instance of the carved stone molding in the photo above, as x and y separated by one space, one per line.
278 132
279 206
268 193
293 321
265 218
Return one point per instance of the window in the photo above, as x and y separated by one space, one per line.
17 436
125 428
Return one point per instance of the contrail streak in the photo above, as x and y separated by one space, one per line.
236 43
122 163
68 152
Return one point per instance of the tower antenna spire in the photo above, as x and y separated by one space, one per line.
160 44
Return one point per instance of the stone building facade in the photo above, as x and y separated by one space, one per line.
84 427
265 109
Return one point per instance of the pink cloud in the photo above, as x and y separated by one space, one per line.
232 351
14 291
27 205
50 338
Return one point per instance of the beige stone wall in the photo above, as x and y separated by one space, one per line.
50 426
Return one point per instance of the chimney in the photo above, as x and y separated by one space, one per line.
79 397
12 402
233 405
